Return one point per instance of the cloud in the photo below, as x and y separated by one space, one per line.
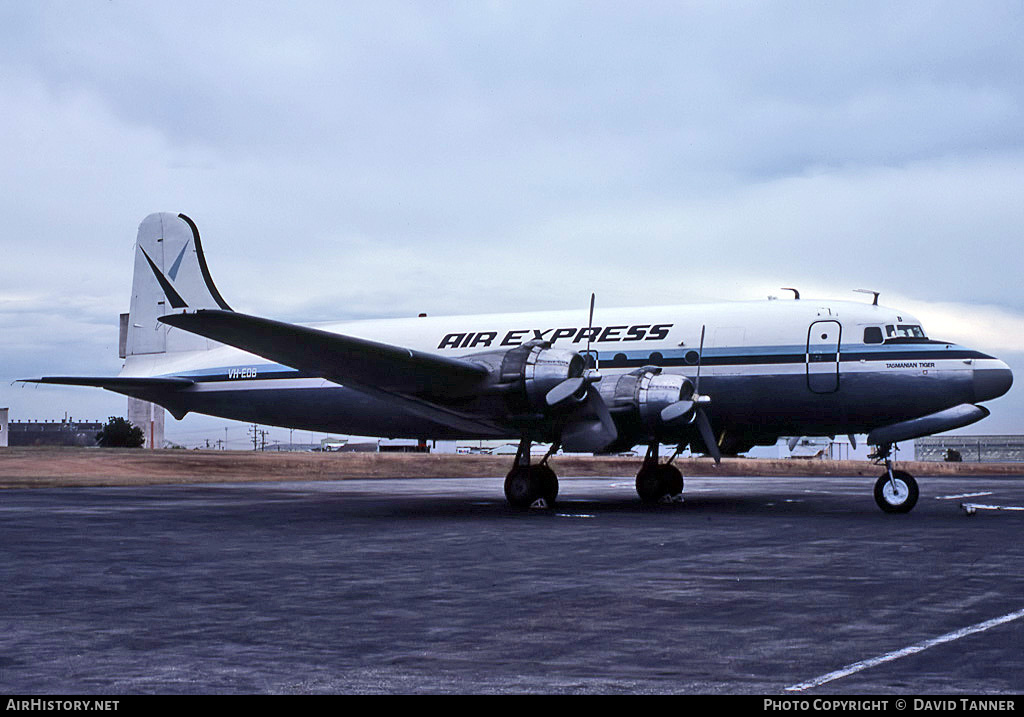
348 161
993 329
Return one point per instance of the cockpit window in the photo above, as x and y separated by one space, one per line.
904 331
873 335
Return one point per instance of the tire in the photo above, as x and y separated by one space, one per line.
671 480
545 482
519 489
525 485
655 483
903 499
647 484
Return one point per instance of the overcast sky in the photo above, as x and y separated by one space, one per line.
366 159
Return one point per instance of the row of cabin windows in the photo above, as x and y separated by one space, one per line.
872 335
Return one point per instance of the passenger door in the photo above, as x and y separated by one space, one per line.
823 356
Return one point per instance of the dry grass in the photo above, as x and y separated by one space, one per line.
49 467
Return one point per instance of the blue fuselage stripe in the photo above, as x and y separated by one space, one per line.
719 357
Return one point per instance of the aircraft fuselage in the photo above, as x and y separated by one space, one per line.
773 368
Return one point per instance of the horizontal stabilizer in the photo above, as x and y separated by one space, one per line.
114 383
339 358
156 390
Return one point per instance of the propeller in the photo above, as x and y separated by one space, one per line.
569 391
677 411
575 389
590 334
591 427
693 409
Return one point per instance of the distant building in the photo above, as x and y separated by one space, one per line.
970 449
402 445
67 432
3 427
405 445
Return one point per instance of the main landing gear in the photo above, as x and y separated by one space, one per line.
531 486
536 485
659 482
895 491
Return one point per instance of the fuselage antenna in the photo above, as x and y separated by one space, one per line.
869 291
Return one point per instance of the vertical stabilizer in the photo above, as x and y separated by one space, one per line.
170 276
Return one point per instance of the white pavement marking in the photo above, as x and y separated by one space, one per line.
865 664
962 495
970 508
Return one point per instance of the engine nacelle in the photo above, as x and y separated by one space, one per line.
647 391
533 369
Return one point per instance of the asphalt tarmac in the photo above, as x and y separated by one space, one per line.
780 586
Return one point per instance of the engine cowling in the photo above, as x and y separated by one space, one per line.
644 394
534 369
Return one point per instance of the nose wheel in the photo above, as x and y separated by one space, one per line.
895 491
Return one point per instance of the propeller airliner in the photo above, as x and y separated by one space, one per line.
717 378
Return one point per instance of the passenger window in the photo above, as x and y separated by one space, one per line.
873 335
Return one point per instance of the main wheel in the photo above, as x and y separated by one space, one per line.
659 483
526 485
671 482
898 494
547 482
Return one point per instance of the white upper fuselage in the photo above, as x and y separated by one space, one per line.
633 331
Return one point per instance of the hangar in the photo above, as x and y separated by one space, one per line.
973 449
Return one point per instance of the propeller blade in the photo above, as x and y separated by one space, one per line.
677 411
590 332
593 430
569 390
708 436
601 409
700 360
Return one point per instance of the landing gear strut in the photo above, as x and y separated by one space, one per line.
895 491
531 486
659 482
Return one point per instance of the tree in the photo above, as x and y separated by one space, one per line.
120 433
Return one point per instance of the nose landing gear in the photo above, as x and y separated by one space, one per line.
895 490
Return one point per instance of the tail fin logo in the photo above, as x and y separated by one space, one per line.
177 262
169 291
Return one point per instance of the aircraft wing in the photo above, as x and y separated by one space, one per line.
342 359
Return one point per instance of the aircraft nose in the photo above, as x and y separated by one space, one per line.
992 381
